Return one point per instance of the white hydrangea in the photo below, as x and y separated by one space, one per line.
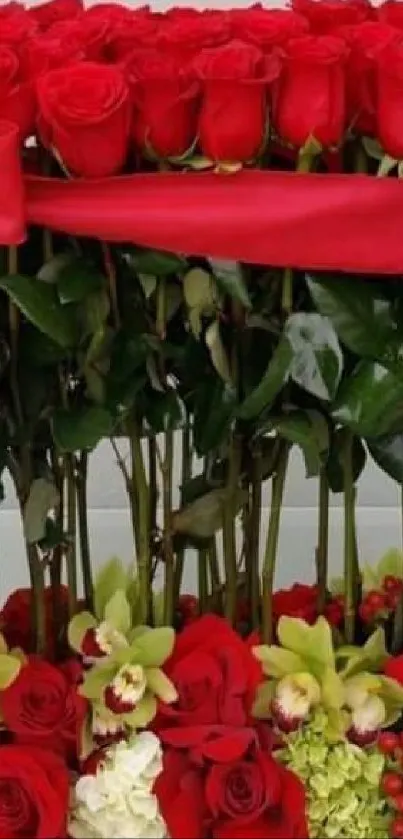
118 801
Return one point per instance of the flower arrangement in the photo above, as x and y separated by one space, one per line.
178 191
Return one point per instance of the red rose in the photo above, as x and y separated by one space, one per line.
366 42
16 614
165 117
301 601
17 96
309 97
390 100
394 668
326 15
34 793
233 114
50 52
83 108
85 33
267 28
215 674
187 31
16 26
233 787
45 14
188 610
42 707
391 12
135 32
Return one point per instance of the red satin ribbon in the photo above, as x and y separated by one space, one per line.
323 222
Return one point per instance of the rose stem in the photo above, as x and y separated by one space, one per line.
141 489
269 562
214 573
169 558
254 535
397 641
349 542
323 539
81 489
186 473
203 580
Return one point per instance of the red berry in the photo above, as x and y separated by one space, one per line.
392 583
392 784
388 742
376 601
396 828
398 802
365 612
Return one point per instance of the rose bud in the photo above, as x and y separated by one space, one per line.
126 689
101 641
367 719
295 696
17 95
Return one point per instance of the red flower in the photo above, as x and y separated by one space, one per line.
229 786
165 118
135 32
390 101
309 98
50 52
86 107
233 113
326 15
366 42
394 668
267 28
301 601
17 96
45 14
16 618
34 793
187 609
391 12
187 31
17 26
215 674
42 707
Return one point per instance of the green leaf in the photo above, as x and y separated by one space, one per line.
387 453
81 428
40 305
213 413
10 667
361 315
78 626
340 441
153 648
159 684
112 577
77 279
158 263
43 497
275 377
308 430
317 361
277 662
164 411
117 612
230 279
202 518
312 643
370 401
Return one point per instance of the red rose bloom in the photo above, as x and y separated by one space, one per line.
188 610
50 52
17 97
187 31
165 118
34 793
82 108
135 32
267 28
301 601
234 109
233 787
16 614
366 42
391 13
394 668
42 707
215 674
309 97
326 15
45 14
390 100
17 27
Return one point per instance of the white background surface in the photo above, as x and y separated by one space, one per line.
378 516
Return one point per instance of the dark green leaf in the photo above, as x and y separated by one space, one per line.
214 411
40 305
164 411
317 361
94 311
158 263
43 497
77 279
361 315
370 401
387 452
274 379
53 537
230 280
334 467
38 349
81 428
309 431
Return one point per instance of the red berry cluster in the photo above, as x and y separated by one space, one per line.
377 605
391 745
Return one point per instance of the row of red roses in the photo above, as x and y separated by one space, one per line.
162 101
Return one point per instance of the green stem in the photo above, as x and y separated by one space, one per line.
323 540
253 554
110 271
38 598
82 509
397 640
139 478
287 291
229 532
185 477
71 553
203 579
169 556
152 472
269 562
214 572
349 542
